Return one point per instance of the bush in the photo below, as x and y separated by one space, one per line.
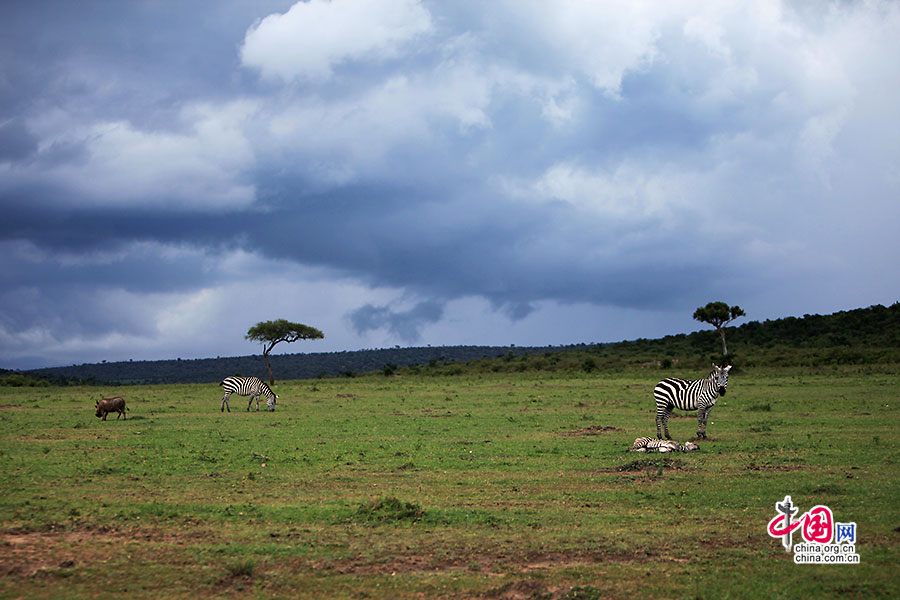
241 568
11 379
584 592
388 509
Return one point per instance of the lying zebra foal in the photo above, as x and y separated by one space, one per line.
646 444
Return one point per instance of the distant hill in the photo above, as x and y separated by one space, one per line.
864 336
284 366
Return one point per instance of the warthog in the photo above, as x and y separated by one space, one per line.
108 405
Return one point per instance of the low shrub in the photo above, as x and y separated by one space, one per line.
388 509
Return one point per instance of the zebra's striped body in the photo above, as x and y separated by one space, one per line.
247 386
647 444
699 395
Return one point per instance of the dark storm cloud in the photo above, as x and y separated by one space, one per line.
72 311
440 250
137 268
444 248
506 253
133 57
405 324
16 142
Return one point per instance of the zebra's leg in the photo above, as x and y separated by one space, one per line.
249 404
705 419
701 422
665 421
225 402
659 417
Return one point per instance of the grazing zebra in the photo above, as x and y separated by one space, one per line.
699 395
247 386
646 444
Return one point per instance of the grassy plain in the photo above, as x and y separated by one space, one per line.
468 486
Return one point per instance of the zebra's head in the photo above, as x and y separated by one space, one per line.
270 402
720 378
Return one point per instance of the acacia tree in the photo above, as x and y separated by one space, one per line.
719 314
270 333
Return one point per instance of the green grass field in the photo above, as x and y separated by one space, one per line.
469 486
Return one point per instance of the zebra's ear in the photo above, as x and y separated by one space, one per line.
727 368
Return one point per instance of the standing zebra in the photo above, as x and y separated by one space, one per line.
699 395
247 386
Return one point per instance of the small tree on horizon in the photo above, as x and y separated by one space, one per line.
270 333
719 314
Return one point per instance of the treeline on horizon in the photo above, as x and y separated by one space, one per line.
865 336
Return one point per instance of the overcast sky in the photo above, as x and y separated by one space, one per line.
402 172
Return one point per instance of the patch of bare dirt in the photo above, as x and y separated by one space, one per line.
502 386
652 462
498 564
69 436
768 468
391 566
525 589
592 430
35 553
427 412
